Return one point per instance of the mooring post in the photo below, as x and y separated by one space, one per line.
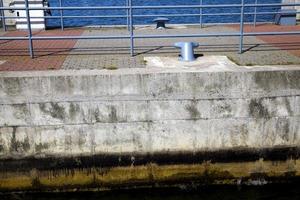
29 29
255 13
161 22
61 16
3 16
242 27
201 12
187 50
131 29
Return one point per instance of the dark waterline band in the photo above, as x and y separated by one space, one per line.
138 159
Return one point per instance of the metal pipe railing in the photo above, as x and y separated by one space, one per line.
201 14
29 29
127 15
61 16
2 16
131 28
154 15
129 8
242 27
233 34
158 7
255 13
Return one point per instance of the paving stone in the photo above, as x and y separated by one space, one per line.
98 54
49 54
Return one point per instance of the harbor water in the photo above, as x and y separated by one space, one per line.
274 192
215 18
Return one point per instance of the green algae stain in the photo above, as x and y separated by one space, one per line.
74 109
1 148
258 110
97 115
19 146
193 110
55 110
113 115
40 147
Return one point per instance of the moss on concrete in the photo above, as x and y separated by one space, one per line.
55 110
258 110
206 173
193 110
18 146
74 109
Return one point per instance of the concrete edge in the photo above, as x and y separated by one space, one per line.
129 71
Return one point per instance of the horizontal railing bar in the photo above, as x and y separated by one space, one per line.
68 8
151 7
272 5
272 33
151 36
77 16
156 15
216 35
216 6
65 37
79 37
212 14
13 38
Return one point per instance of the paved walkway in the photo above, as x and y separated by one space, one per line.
49 54
113 54
291 43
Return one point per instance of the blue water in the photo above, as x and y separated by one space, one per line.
174 20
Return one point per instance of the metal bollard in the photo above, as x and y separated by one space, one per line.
161 22
187 50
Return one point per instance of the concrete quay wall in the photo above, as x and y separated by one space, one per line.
73 113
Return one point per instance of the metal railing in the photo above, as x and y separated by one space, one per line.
129 8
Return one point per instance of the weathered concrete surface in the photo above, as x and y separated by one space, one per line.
150 115
148 110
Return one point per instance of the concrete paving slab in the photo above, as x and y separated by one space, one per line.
209 64
217 63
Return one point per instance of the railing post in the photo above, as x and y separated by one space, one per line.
3 16
201 12
127 13
61 16
131 29
29 29
242 27
255 13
